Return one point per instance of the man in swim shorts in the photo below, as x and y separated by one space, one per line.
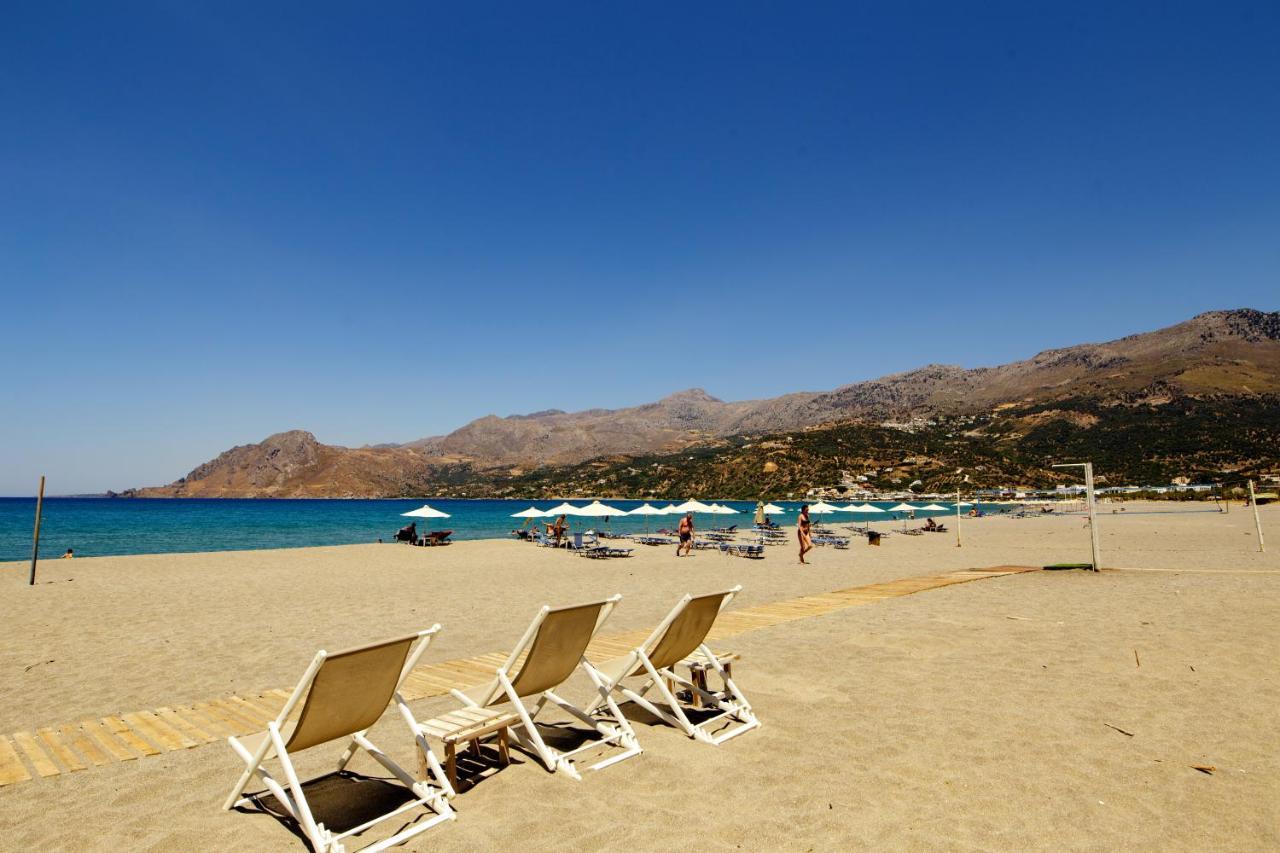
686 534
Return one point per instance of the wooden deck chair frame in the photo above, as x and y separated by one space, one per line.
680 638
547 663
317 725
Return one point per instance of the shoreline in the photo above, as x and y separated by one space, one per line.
501 532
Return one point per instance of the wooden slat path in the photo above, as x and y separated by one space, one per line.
71 747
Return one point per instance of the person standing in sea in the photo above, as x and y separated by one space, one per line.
803 534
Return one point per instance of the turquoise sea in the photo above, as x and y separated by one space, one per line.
97 527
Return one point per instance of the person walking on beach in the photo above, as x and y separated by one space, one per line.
803 534
686 534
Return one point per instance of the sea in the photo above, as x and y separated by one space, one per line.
96 527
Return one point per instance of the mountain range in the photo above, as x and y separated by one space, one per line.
1215 361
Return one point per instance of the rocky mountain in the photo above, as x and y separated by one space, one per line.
1217 354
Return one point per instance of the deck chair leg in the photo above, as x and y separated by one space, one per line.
660 680
630 741
433 766
253 761
527 735
730 688
423 788
302 812
347 755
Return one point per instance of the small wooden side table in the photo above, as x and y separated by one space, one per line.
698 668
468 725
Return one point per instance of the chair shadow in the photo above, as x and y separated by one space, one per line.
637 715
473 769
341 801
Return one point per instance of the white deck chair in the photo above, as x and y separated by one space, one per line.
545 657
345 694
681 639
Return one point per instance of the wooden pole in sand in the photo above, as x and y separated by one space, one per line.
957 518
1262 547
35 537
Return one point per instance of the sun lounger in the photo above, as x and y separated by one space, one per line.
754 552
437 537
839 542
544 658
583 542
342 695
654 540
680 640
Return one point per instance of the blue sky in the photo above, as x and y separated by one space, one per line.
377 222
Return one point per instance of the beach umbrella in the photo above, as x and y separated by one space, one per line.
774 509
821 508
596 508
563 509
870 508
721 509
694 506
934 508
849 508
670 509
425 511
903 507
531 512
646 510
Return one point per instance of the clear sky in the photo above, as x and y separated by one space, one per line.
377 221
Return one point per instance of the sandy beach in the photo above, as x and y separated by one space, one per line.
1046 709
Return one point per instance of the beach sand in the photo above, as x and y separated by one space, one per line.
973 716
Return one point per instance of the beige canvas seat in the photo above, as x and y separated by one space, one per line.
341 696
545 657
678 642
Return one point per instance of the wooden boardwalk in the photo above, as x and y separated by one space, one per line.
71 747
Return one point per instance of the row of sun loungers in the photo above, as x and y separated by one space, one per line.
343 694
731 549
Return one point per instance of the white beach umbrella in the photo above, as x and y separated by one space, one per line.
821 508
721 509
531 512
849 508
904 507
425 511
646 509
870 508
670 509
694 506
774 509
563 509
934 508
595 508
964 503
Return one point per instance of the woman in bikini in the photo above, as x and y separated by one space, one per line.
802 533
